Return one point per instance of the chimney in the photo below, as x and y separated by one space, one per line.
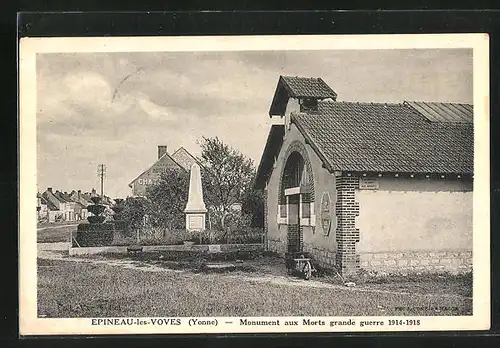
308 104
49 189
162 150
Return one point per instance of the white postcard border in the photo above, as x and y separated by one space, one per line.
29 47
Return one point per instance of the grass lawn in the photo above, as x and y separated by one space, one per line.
77 289
55 233
55 224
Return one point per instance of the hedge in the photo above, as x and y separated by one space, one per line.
95 234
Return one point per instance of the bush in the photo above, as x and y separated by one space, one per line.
247 235
96 219
120 225
88 235
162 236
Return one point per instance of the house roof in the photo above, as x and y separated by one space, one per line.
307 87
50 204
184 158
376 137
444 112
154 164
387 138
299 87
63 197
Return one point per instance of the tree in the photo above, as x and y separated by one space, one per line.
134 211
226 176
253 205
168 199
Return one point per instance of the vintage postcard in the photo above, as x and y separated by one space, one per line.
254 184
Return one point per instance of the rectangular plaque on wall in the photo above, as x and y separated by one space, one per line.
196 222
368 184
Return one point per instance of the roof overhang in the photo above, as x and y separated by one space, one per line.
271 151
280 99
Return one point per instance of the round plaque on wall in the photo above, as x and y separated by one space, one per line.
326 218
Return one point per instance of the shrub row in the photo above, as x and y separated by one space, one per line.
95 234
159 236
102 234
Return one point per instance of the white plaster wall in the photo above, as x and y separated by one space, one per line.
415 215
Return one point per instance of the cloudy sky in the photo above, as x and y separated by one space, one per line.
116 108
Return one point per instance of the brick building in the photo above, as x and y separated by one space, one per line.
180 159
370 186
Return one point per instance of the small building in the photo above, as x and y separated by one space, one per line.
55 208
68 207
41 208
368 186
180 159
81 211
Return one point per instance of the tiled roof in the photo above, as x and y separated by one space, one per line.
444 112
305 87
386 138
51 205
64 198
155 163
184 158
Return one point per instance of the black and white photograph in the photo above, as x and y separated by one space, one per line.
254 184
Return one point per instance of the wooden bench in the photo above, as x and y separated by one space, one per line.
134 249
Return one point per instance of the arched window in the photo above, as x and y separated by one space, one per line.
296 187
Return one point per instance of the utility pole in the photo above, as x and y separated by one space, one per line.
101 173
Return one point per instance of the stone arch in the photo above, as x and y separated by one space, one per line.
307 182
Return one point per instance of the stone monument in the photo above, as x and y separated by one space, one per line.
195 208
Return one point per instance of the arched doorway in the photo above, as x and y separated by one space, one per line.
296 195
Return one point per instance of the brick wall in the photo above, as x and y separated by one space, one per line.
347 235
453 261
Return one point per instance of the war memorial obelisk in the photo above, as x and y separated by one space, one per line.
195 208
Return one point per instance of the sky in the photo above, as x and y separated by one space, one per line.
116 108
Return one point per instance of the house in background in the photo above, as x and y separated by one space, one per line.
41 208
180 159
55 207
370 186
69 206
64 206
81 212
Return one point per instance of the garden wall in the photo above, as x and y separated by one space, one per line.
452 261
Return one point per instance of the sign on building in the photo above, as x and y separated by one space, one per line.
368 184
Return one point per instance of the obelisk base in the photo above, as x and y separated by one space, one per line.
195 221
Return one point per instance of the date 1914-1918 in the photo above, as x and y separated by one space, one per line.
407 322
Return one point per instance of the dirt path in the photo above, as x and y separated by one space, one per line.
56 253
